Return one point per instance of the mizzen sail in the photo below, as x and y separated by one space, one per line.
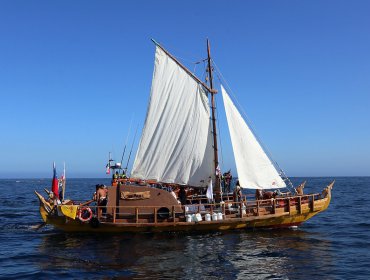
255 169
176 143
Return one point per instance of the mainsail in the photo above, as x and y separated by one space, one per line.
176 143
255 169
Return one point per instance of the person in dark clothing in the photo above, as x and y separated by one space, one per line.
182 195
227 177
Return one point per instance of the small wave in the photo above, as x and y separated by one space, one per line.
364 224
36 226
293 227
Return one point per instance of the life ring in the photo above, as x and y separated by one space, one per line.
85 214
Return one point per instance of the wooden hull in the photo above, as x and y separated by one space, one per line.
242 223
281 218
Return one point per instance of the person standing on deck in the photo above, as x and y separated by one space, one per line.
115 177
102 198
182 195
227 177
237 192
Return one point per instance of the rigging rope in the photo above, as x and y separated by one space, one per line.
219 133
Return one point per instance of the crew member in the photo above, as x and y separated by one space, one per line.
182 195
102 196
237 192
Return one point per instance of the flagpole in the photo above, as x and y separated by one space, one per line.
64 180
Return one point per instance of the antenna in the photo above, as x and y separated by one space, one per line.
132 146
128 134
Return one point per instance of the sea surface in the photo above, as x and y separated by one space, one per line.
333 245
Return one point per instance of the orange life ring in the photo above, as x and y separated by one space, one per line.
85 214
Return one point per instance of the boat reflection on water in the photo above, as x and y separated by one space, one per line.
285 254
280 254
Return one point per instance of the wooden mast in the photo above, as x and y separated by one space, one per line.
214 129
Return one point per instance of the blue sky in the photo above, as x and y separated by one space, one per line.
74 73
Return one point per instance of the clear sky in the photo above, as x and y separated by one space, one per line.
74 73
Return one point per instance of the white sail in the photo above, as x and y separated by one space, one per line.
255 169
176 143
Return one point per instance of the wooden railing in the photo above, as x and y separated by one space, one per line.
228 208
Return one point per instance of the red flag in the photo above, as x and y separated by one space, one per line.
55 184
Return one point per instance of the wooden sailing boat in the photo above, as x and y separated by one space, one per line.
178 149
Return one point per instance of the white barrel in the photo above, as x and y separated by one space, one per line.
198 217
208 217
244 209
214 217
189 218
219 216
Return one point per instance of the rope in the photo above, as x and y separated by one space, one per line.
219 133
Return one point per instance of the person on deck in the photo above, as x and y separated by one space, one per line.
227 177
182 195
115 177
102 199
123 175
237 192
259 194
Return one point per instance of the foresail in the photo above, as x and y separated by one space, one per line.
255 169
176 143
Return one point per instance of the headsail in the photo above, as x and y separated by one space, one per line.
176 143
255 169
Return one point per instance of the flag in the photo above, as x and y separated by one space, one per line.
209 193
69 211
107 171
54 184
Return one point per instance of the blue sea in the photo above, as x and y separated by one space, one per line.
333 245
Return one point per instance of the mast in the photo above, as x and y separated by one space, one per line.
214 132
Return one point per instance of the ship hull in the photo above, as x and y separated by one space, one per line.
292 215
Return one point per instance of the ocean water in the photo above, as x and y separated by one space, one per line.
333 245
